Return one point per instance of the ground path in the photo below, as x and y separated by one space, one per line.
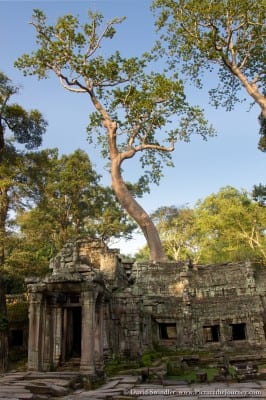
68 386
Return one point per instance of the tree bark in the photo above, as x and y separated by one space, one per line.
128 202
132 207
251 88
122 193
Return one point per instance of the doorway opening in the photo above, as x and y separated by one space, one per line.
72 333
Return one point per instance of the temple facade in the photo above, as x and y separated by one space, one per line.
92 306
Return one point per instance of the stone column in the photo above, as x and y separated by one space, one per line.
47 337
99 334
87 333
57 335
35 331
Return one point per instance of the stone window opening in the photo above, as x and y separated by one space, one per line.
167 331
238 331
211 333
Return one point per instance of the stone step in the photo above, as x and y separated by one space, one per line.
19 396
47 389
13 389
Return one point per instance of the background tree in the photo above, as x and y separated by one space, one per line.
227 226
67 201
227 36
231 226
16 126
259 194
133 108
177 230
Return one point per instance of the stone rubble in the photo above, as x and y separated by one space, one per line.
52 386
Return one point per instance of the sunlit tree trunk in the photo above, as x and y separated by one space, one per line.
137 213
128 202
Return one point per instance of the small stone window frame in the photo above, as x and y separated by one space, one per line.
167 331
211 333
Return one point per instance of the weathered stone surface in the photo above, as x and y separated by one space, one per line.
105 307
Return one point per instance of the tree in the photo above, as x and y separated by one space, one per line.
27 127
226 34
262 133
259 194
227 226
66 200
133 108
231 227
177 230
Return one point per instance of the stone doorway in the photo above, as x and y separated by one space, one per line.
71 333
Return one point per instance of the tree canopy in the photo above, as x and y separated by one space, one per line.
226 226
66 200
137 111
27 127
227 36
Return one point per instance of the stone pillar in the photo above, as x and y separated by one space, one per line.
35 331
106 331
57 335
99 334
87 333
47 338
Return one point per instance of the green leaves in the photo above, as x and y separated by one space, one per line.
27 127
150 108
227 35
136 110
227 226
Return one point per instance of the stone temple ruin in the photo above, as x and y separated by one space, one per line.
93 306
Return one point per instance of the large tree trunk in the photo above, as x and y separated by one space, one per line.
136 212
122 193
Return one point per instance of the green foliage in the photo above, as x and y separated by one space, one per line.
149 357
190 375
262 132
15 196
119 364
142 104
224 227
136 110
17 311
66 200
26 126
224 36
231 227
142 255
177 230
206 34
259 194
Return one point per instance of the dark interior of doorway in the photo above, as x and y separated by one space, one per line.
76 324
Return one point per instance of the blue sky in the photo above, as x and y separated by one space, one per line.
201 167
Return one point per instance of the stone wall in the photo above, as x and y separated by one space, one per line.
214 306
126 308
